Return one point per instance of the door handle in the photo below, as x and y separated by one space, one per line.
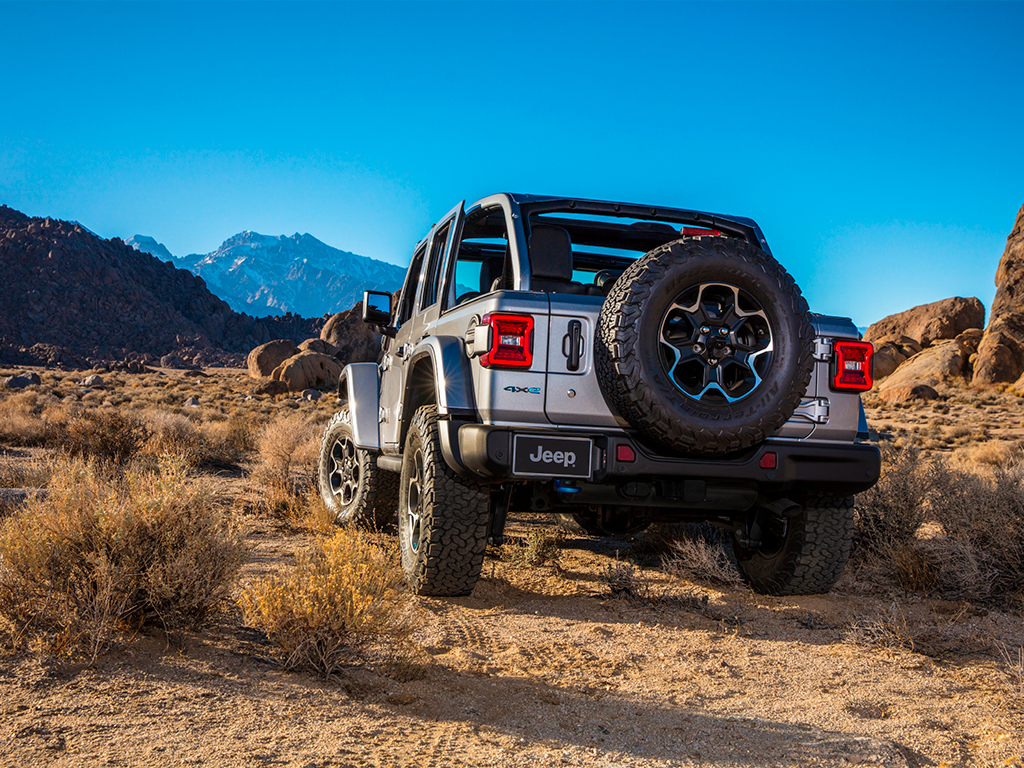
572 345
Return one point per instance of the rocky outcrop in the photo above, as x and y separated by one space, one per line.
939 364
308 370
354 340
318 345
1001 351
908 393
266 357
71 298
929 323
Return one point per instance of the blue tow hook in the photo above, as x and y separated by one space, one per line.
566 488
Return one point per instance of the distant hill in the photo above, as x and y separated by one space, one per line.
265 274
73 298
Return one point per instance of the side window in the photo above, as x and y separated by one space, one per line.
434 269
480 261
412 280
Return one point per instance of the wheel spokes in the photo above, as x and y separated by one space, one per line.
716 342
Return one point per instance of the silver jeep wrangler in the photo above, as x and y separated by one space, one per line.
613 365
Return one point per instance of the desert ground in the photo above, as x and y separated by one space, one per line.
600 652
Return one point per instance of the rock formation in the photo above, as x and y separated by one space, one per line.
71 298
929 323
308 370
266 357
939 364
354 340
1001 352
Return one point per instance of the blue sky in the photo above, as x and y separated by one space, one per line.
878 145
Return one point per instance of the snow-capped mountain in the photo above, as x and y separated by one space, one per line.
150 246
263 274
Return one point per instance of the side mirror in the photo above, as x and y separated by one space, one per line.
376 307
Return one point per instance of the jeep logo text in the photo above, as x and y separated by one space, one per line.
565 458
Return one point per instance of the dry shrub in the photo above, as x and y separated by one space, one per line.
101 555
915 568
343 595
170 433
542 546
624 580
995 453
890 514
105 434
982 553
699 553
287 449
21 421
34 473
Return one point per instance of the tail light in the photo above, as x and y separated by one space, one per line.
511 341
852 372
698 232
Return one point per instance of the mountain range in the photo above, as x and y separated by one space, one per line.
266 274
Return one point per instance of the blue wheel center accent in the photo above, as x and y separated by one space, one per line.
716 343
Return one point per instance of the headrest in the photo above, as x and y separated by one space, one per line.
490 270
550 253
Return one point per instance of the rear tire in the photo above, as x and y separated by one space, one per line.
442 518
804 554
351 484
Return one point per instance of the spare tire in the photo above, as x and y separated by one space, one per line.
704 345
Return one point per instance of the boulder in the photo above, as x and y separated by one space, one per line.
91 381
353 340
887 358
22 380
933 322
266 357
308 370
907 345
970 339
318 345
269 387
311 394
939 364
191 403
908 393
1001 351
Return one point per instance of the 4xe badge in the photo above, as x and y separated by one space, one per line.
526 390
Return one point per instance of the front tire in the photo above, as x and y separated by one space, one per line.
442 518
351 484
803 553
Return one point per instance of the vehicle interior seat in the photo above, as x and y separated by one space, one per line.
551 261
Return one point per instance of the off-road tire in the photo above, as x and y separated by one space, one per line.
453 516
375 499
634 379
810 557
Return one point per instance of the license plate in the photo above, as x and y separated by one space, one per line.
543 456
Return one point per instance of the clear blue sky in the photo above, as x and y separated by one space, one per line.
880 146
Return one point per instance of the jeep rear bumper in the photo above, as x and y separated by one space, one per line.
486 452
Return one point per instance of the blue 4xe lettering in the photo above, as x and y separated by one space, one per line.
527 390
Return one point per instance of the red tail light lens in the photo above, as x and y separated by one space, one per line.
852 371
511 341
697 232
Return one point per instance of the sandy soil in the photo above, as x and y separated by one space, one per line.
541 667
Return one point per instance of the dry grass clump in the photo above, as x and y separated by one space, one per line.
982 516
994 453
34 473
699 553
105 434
890 514
542 546
104 554
624 580
287 449
21 421
170 433
343 595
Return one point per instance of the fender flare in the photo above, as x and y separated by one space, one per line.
359 384
453 390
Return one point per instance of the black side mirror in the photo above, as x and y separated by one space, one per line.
376 307
377 311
